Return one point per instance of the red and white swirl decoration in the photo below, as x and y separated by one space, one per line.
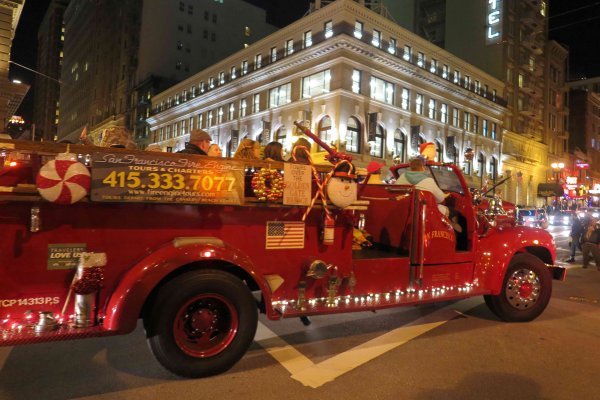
63 181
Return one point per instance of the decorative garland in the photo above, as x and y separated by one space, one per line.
90 281
267 184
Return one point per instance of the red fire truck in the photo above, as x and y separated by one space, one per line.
93 239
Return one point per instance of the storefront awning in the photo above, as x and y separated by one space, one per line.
550 190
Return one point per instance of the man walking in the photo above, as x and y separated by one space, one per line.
576 232
590 245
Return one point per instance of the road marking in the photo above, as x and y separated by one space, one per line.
316 375
287 355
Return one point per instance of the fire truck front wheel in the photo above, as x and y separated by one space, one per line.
525 291
201 323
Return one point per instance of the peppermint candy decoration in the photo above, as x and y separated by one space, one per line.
63 181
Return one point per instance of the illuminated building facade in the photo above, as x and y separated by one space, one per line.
361 82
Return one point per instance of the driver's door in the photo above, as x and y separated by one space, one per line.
436 259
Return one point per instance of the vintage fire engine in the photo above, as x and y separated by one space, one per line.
93 239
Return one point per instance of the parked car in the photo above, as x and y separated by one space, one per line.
564 217
532 217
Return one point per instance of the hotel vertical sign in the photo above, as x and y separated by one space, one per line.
493 23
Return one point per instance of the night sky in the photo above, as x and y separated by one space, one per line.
574 24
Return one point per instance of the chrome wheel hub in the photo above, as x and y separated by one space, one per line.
523 289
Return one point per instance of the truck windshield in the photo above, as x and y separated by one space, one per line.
445 178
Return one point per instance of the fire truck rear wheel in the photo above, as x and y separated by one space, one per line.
525 291
201 323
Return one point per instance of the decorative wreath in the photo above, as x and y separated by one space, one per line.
267 184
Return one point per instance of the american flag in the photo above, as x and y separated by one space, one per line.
285 235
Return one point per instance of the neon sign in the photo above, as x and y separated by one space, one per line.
493 33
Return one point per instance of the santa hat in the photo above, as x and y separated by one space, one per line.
375 167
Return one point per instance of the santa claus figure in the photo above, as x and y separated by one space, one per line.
428 151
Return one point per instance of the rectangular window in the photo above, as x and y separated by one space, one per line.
493 94
392 46
280 96
484 127
244 69
356 80
419 104
257 61
434 65
467 81
477 87
210 119
289 47
493 135
231 112
405 100
256 103
407 52
358 29
444 113
221 78
456 77
201 86
307 39
475 124
211 82
485 90
328 28
376 40
445 71
200 121
382 90
421 60
455 117
233 74
273 54
432 113
316 84
467 121
220 115
243 107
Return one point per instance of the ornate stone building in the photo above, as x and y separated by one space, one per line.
363 84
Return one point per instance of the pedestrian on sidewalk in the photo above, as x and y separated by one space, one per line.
576 232
590 245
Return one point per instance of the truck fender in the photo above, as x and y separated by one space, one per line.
124 305
496 250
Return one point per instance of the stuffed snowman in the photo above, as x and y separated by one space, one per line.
342 188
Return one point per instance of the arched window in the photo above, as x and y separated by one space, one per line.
400 145
378 144
353 135
439 151
480 165
325 132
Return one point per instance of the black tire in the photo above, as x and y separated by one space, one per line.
201 323
526 290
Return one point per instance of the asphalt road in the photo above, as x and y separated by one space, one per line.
449 351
